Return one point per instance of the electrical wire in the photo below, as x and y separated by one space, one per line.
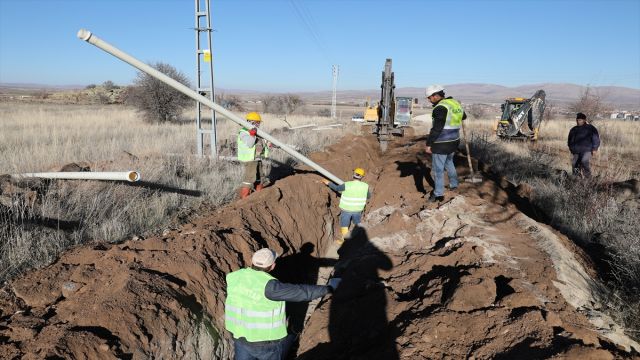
310 26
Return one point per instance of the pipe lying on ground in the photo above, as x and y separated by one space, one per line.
87 36
131 176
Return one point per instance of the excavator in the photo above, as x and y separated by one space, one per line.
386 125
371 112
521 117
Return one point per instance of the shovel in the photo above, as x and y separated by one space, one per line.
472 178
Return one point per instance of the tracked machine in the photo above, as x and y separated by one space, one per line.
386 126
521 117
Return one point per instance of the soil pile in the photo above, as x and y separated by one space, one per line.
469 278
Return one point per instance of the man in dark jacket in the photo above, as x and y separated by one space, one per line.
255 308
583 142
443 139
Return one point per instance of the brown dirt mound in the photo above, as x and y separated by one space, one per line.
472 278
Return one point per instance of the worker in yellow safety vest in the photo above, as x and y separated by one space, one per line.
443 139
251 151
255 308
353 199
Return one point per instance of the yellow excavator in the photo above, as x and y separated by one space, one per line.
371 112
521 117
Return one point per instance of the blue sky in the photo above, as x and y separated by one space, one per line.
290 45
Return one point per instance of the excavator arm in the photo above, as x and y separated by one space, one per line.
523 121
385 126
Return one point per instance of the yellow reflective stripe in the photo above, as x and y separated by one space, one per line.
250 325
348 198
353 200
257 314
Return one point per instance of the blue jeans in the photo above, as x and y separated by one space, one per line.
442 162
346 217
271 350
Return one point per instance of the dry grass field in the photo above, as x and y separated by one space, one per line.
44 137
600 214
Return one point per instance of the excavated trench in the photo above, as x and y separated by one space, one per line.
469 278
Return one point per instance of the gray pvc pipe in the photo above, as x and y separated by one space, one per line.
87 36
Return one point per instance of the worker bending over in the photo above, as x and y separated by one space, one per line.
255 308
251 151
443 139
352 201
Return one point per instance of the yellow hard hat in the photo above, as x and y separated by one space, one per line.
253 116
359 172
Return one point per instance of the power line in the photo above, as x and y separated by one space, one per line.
309 24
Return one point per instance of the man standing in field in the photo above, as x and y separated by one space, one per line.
583 143
443 139
251 151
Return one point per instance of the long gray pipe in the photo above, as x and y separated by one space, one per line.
87 36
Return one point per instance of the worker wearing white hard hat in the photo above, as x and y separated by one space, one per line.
443 139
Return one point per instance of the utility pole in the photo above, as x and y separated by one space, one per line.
335 69
204 59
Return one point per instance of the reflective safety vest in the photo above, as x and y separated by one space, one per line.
248 313
451 130
354 196
246 153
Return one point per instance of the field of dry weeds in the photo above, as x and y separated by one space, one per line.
46 137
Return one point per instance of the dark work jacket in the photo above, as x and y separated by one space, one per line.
583 139
439 116
279 291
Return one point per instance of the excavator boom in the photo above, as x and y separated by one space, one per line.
385 127
521 118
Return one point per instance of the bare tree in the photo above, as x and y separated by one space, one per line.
157 101
281 104
109 85
476 111
291 102
549 111
590 103
267 102
230 102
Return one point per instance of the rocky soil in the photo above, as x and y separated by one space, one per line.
471 278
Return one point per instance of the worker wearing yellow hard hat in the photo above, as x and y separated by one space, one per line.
251 150
352 201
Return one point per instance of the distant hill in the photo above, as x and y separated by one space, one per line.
559 93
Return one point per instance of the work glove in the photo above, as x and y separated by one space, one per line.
253 132
334 283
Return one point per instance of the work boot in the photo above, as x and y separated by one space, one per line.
343 231
244 192
434 198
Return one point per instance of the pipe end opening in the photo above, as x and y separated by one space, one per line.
134 176
84 34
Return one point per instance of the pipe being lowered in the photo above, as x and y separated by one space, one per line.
131 176
87 36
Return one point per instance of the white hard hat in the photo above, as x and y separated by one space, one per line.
264 258
432 89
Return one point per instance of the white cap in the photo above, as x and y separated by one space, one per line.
264 258
432 89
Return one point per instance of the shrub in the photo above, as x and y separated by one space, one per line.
156 101
281 104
